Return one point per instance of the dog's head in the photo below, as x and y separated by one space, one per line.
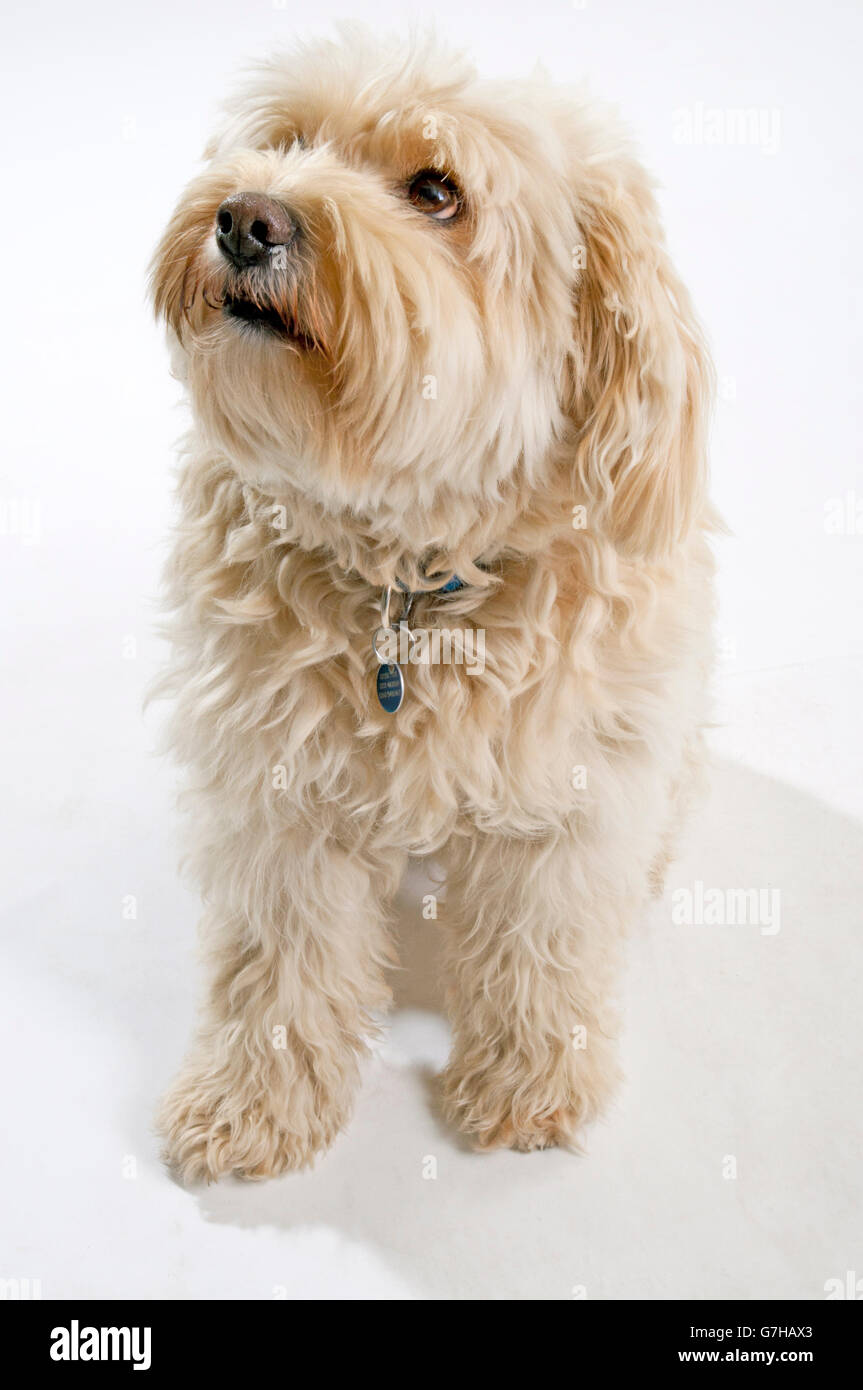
394 283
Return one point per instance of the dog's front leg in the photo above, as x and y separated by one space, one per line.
533 947
297 960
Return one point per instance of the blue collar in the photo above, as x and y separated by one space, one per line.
451 587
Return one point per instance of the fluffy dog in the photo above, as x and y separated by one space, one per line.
436 352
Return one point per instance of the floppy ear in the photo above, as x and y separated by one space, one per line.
641 382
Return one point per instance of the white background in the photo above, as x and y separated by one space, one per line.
738 1044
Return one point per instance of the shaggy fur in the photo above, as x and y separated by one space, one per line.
458 389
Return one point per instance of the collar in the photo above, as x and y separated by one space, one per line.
408 597
451 587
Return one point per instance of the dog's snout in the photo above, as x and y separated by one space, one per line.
250 225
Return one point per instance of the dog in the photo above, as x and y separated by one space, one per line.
443 379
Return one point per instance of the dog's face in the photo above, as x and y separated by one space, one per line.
373 277
381 284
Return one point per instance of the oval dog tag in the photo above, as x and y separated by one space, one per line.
390 687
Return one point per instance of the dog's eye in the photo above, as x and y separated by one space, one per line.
435 194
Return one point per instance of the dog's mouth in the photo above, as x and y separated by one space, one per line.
265 318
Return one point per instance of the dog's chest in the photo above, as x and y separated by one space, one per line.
469 745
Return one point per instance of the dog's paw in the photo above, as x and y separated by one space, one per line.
560 1127
499 1108
210 1133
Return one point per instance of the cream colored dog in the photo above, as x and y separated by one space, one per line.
437 355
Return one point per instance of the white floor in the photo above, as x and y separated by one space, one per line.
742 1047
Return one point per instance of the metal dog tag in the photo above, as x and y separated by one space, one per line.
390 687
390 683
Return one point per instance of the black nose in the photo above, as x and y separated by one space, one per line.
249 225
